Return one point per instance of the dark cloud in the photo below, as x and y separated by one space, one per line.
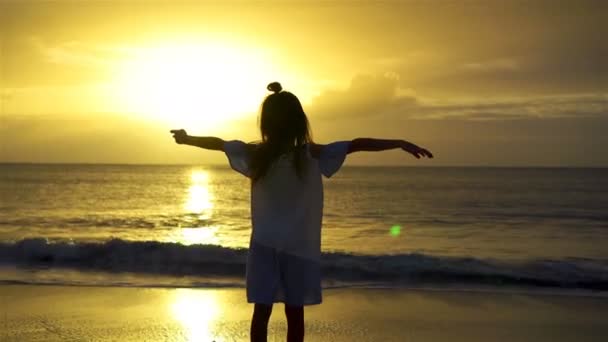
501 64
550 70
542 107
373 96
366 96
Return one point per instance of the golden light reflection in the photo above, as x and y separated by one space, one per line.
199 204
199 198
206 235
197 311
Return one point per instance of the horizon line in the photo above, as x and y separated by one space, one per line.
355 165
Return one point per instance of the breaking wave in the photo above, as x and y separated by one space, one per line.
152 258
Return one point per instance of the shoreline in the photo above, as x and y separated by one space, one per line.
90 313
491 290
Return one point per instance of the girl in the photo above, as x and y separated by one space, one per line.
285 169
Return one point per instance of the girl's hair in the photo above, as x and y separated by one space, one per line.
284 127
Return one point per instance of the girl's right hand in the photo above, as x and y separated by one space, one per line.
179 135
416 151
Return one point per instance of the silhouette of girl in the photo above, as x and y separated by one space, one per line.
285 168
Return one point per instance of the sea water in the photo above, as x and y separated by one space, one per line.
190 225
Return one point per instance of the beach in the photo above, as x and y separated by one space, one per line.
87 313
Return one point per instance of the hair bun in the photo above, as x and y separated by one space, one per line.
275 87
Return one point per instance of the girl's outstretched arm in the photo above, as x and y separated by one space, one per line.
209 143
372 145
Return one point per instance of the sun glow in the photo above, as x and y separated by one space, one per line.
194 84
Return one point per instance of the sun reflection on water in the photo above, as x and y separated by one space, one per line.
199 197
197 311
206 236
199 209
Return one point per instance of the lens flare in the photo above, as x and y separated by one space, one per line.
395 230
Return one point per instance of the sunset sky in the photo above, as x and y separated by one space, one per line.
499 83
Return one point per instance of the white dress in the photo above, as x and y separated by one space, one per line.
283 263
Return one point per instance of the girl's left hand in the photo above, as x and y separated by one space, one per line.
416 151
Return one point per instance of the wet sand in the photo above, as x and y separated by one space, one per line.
64 313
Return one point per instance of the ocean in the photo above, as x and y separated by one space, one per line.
182 225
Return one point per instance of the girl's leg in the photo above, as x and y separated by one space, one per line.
295 323
259 322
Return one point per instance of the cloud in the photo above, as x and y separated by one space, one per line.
366 96
75 52
542 107
6 95
372 96
547 69
502 64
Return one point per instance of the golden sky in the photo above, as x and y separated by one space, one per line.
477 82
